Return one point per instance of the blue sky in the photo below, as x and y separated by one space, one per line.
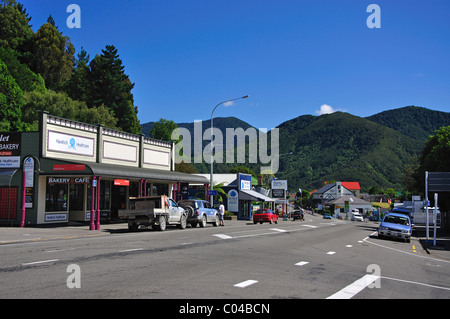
291 56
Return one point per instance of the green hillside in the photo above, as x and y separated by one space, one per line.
373 151
344 147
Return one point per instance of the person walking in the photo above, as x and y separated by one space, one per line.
221 214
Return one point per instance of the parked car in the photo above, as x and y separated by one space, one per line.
200 212
298 214
265 215
396 225
326 216
357 217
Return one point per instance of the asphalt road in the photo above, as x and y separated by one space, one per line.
315 259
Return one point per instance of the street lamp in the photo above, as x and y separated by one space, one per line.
212 143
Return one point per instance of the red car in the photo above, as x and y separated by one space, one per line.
265 215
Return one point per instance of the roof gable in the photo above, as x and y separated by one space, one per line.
351 185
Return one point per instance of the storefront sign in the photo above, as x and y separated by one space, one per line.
10 162
73 144
278 193
60 217
233 201
245 182
10 144
69 167
276 184
121 182
69 180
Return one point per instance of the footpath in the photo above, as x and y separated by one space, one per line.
15 235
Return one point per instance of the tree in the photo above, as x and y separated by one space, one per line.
15 30
25 78
162 130
436 154
112 87
59 104
11 101
78 85
52 56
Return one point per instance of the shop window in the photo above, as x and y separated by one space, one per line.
76 196
8 197
134 189
56 197
105 196
160 189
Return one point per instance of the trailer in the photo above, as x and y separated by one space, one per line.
154 211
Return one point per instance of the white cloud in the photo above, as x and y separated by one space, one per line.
325 109
228 104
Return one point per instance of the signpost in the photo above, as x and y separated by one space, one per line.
279 190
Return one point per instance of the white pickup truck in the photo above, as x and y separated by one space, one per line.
155 211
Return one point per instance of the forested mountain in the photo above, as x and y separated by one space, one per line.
373 151
413 121
344 147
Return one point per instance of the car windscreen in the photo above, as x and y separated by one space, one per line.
397 220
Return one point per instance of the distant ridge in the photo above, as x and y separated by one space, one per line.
339 146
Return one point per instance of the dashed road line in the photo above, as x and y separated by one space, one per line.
40 262
302 263
246 283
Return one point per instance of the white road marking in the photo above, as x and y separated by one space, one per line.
246 283
331 253
302 263
351 290
416 283
310 226
349 246
222 236
40 262
279 230
131 250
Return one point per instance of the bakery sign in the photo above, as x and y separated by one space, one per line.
10 146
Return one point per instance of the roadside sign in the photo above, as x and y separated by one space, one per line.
213 193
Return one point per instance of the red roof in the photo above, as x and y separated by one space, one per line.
351 185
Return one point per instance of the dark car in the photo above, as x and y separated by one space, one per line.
298 214
265 215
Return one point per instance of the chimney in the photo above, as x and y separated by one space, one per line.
339 191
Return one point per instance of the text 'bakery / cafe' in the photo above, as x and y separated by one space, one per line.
70 170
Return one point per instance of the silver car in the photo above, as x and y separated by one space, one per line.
200 212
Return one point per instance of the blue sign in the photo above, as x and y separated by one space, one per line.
213 193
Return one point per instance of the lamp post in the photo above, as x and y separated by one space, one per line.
212 143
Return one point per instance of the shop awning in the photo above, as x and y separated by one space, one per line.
254 196
115 171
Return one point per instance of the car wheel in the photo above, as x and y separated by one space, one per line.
162 223
203 222
271 221
216 222
183 223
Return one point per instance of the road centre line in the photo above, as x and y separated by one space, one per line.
131 250
40 262
279 230
246 283
302 263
